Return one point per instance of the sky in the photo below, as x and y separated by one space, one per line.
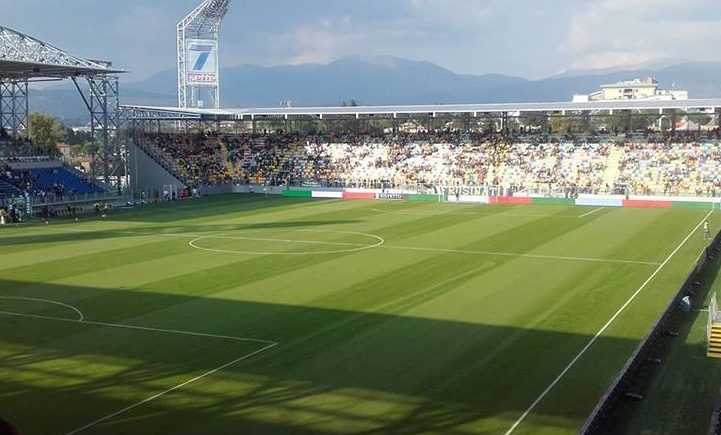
527 38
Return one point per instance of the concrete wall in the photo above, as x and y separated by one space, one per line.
146 174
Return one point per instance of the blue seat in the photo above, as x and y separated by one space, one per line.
7 190
47 178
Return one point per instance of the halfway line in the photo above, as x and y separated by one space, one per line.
511 254
264 239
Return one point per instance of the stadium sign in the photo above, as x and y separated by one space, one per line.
202 62
390 196
461 190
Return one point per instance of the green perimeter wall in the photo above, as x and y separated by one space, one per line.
426 198
693 205
298 193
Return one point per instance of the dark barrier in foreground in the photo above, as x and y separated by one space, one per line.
603 419
715 427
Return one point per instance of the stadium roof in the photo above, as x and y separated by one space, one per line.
169 113
23 57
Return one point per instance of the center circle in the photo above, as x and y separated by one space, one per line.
287 242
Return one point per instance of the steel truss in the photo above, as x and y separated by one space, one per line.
14 106
137 113
101 97
203 23
22 56
25 59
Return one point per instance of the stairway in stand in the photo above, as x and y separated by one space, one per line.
612 169
225 158
714 342
164 159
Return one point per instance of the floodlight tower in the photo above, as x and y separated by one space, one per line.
198 69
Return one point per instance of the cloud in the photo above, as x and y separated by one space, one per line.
471 36
628 32
320 42
529 38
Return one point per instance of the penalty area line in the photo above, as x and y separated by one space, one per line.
170 390
80 314
139 328
603 329
267 344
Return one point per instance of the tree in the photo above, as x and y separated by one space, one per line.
566 124
45 132
701 119
73 137
533 120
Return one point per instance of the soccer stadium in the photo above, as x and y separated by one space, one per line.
520 268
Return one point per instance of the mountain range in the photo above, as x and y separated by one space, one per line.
385 80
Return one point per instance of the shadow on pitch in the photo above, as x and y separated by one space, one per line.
364 372
79 234
215 207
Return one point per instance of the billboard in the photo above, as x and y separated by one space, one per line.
201 62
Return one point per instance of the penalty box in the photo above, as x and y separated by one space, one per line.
93 373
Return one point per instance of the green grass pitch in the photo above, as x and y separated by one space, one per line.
247 314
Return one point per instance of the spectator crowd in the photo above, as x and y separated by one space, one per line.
637 165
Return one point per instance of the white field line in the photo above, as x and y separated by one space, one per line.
314 242
603 329
350 248
268 344
140 328
429 249
512 254
386 246
591 212
47 301
179 332
170 390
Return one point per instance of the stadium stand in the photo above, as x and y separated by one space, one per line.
613 164
59 181
44 180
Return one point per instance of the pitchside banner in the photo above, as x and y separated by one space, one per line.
202 62
461 190
391 196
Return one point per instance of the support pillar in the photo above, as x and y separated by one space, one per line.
466 122
586 121
545 124
627 122
14 107
674 118
102 101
